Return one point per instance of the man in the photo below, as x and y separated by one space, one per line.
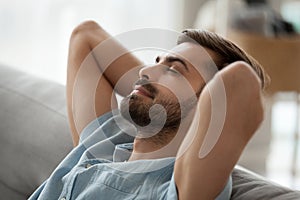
179 107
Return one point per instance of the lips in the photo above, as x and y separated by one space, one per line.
143 91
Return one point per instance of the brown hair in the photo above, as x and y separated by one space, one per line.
226 50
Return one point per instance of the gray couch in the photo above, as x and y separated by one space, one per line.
34 137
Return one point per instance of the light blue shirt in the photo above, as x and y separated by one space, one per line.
97 169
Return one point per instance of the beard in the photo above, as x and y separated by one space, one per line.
162 120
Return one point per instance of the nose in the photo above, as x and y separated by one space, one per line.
151 72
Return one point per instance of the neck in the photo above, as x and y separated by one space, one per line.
164 144
148 148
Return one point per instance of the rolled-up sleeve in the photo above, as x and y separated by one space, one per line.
169 190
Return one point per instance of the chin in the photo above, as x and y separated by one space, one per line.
134 109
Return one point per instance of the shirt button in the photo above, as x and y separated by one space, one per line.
88 165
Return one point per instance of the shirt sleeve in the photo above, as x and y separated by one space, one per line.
171 193
92 126
37 192
226 193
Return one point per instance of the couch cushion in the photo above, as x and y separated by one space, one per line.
250 186
34 133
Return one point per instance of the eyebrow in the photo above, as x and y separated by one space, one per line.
174 59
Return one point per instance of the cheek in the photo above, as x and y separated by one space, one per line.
197 83
180 89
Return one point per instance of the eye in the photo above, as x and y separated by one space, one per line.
173 70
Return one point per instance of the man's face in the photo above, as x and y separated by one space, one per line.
174 83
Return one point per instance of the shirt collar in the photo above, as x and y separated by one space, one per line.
122 152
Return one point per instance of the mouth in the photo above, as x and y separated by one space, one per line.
138 89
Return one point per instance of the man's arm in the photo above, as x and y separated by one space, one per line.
90 86
202 174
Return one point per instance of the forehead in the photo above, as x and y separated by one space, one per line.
192 53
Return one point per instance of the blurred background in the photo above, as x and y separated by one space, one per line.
35 34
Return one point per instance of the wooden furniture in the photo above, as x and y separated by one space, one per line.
279 56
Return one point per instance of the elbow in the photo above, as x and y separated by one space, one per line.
85 27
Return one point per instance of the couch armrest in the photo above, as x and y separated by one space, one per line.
34 133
